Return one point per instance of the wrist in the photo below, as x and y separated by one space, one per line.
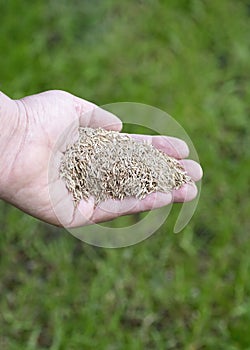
11 136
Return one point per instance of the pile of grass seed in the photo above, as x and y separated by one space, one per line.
107 164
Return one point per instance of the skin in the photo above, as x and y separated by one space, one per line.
31 146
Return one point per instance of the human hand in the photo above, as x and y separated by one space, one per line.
40 121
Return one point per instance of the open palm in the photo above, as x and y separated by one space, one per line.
34 184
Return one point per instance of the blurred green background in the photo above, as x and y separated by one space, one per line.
185 291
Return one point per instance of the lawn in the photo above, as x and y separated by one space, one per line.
191 290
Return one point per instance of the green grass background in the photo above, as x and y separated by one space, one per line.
185 291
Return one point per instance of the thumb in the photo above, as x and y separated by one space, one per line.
94 116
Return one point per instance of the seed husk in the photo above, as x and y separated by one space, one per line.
108 164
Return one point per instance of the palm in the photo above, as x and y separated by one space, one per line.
39 191
46 117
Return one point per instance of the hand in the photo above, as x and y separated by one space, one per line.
43 118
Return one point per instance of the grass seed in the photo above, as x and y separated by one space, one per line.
108 164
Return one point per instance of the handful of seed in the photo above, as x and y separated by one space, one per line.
107 164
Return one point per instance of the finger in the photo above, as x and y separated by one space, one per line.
61 202
101 118
70 216
111 208
93 116
97 117
173 146
82 213
185 193
192 168
66 213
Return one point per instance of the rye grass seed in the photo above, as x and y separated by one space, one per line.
108 164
